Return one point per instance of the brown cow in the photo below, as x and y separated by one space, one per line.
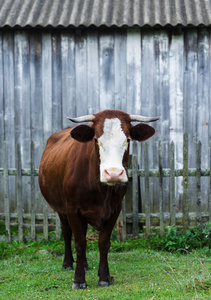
83 176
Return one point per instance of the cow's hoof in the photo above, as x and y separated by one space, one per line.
77 286
104 283
69 268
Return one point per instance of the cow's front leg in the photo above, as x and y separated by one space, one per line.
78 224
104 244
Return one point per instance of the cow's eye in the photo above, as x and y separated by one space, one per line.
96 140
128 140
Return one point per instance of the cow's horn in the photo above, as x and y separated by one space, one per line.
88 118
137 118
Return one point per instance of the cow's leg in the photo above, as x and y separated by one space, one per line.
78 225
104 245
67 234
86 266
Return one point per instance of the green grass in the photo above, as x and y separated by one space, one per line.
33 271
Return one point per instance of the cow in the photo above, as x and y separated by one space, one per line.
83 176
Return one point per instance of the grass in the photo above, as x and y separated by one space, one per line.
33 271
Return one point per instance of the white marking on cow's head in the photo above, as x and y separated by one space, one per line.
112 146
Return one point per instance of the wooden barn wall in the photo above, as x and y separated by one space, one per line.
48 75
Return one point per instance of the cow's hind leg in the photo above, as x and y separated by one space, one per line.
67 234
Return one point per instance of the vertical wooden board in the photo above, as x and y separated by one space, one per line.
93 71
81 72
56 82
36 109
106 58
46 100
172 185
135 188
209 198
190 91
9 112
176 54
148 108
185 204
161 92
68 77
133 71
1 123
19 192
36 94
22 107
47 85
190 103
198 182
203 105
33 225
5 195
161 200
147 198
120 69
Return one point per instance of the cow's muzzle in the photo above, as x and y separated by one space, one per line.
114 176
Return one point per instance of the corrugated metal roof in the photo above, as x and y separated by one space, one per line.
66 13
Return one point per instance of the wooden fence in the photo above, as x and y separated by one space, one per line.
130 221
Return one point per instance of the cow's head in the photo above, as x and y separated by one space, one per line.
112 131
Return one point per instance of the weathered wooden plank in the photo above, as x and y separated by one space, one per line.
161 204
161 90
93 71
209 198
36 106
46 85
6 192
58 228
147 198
198 182
185 182
176 115
172 184
203 105
9 112
155 218
135 188
1 121
33 225
120 68
68 77
81 72
22 105
133 70
120 228
190 102
56 82
19 193
148 107
45 220
106 57
124 218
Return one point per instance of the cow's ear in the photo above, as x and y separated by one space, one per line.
141 132
82 133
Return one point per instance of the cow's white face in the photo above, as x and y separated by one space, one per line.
112 145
